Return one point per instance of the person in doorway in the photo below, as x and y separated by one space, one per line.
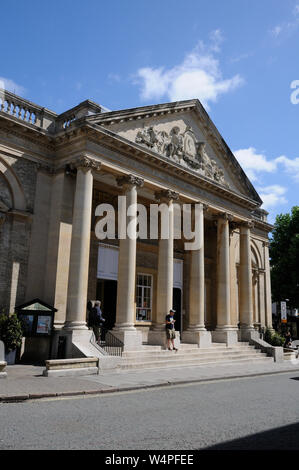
97 320
170 330
288 340
89 313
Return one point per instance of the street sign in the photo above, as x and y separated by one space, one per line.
283 312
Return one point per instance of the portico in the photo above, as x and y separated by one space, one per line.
170 154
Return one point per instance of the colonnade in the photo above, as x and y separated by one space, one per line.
125 315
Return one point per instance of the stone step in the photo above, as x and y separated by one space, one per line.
195 362
170 355
182 352
175 356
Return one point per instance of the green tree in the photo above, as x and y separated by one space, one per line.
284 258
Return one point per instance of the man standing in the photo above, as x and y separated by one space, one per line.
97 319
170 330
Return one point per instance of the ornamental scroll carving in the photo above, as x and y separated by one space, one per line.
182 148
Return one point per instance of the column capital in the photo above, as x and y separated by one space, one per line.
85 163
247 224
129 180
266 244
224 216
167 194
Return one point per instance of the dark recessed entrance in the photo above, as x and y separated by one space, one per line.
177 306
106 293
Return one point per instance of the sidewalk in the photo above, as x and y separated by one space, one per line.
25 382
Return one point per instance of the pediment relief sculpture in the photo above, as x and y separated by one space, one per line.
182 148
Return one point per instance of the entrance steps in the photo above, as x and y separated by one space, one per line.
150 357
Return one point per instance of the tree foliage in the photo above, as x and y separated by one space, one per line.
284 258
10 331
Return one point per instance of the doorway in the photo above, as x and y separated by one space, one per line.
177 306
106 293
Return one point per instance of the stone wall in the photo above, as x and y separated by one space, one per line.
15 231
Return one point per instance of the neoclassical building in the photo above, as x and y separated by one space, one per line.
54 172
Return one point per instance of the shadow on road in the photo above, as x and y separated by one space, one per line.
283 438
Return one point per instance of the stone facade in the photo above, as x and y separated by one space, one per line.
55 169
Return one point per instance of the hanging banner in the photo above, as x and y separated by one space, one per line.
283 312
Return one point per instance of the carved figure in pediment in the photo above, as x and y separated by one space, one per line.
175 147
190 146
147 136
162 139
183 149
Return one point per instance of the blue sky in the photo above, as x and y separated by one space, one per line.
239 57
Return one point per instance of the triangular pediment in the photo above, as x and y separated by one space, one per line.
184 134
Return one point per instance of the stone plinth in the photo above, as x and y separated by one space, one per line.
202 338
228 336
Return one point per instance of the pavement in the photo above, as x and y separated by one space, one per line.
26 382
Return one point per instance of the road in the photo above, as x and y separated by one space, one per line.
252 413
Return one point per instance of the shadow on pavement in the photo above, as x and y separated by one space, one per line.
283 438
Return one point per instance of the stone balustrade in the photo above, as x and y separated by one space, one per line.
26 111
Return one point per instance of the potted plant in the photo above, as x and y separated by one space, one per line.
11 334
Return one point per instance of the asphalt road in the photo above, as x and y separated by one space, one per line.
253 413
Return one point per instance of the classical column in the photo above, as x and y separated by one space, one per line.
79 257
125 309
261 290
165 271
246 291
268 286
255 298
196 331
225 332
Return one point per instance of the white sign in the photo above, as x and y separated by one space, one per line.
283 311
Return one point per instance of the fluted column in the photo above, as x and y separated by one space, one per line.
261 289
165 272
224 332
246 291
268 286
79 255
196 331
125 309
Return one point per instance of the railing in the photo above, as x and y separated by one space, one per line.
24 110
110 343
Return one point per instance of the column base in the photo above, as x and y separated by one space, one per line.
59 325
75 325
225 336
131 338
158 338
246 334
202 338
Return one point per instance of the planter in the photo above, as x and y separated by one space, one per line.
11 357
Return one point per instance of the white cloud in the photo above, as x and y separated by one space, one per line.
114 77
10 85
276 31
254 163
291 166
198 76
272 195
287 27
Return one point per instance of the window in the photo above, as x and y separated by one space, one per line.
144 297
